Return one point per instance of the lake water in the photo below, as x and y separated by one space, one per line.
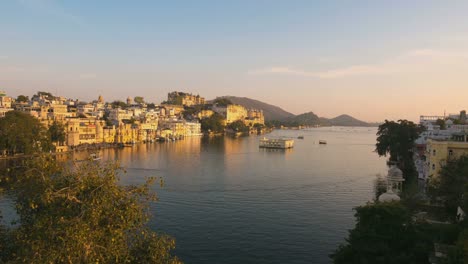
227 201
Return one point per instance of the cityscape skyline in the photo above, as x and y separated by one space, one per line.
332 58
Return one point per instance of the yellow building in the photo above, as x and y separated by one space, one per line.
438 153
205 114
84 131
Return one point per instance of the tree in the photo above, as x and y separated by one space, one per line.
441 123
151 106
384 233
80 214
238 126
119 104
21 133
397 140
452 185
214 124
139 100
22 99
57 132
222 101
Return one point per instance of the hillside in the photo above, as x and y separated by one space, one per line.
306 119
271 112
346 120
282 117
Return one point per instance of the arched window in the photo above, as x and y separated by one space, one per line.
433 152
433 166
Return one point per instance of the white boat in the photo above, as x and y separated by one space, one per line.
276 143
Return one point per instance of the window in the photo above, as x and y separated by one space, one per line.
433 166
450 152
433 152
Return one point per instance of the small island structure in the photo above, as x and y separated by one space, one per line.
276 143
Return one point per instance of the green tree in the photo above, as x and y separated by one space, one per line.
22 133
397 140
214 124
222 101
139 100
119 104
238 126
80 214
441 123
57 132
452 185
22 99
384 233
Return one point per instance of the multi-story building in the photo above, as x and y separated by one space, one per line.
254 116
186 99
5 104
231 112
439 152
84 131
5 101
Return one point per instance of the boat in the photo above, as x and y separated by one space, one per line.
322 142
276 143
300 137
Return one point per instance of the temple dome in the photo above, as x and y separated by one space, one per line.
389 196
395 174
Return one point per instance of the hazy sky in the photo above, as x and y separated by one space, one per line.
374 60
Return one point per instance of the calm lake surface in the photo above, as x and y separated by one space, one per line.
227 201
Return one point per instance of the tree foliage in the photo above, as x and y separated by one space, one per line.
238 126
384 233
80 214
139 100
441 123
222 101
452 185
22 99
21 133
396 139
214 124
119 104
57 132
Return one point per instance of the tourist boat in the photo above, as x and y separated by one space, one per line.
322 142
300 137
276 143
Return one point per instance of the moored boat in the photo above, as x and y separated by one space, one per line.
276 143
322 142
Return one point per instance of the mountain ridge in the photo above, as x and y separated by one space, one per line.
279 116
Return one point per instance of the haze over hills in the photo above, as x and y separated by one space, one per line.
278 115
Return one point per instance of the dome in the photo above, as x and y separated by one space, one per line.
449 122
389 196
395 174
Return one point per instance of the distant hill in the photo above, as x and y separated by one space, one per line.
347 120
311 119
270 112
282 117
306 119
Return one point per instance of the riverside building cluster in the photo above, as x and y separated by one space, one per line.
445 139
130 122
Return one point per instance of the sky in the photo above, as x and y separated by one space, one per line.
374 60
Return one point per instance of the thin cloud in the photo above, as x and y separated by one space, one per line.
413 61
51 8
